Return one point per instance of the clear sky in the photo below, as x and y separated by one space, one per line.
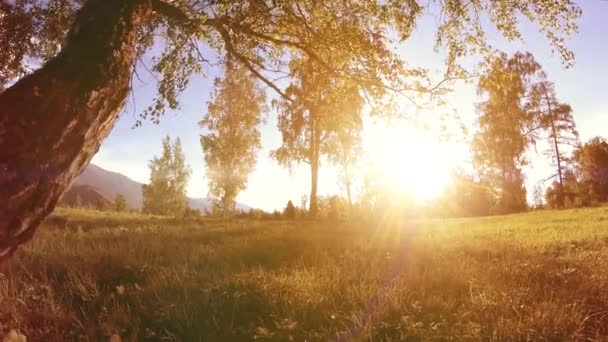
583 86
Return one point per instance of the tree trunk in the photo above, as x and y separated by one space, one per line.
314 167
560 199
314 173
560 192
348 192
226 206
53 121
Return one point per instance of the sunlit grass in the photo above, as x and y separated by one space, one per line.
541 275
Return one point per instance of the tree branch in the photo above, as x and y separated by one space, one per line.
533 130
170 12
246 62
179 17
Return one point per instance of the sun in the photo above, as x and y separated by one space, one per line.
411 160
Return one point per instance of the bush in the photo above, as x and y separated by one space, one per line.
290 211
120 203
190 213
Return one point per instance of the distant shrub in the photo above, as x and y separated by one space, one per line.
576 193
57 221
256 214
332 207
276 214
190 213
120 203
78 202
259 214
337 208
290 211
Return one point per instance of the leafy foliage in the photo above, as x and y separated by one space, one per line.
264 36
233 139
320 109
592 167
502 138
569 194
31 31
464 197
290 211
323 118
587 183
537 197
120 203
555 121
169 175
346 148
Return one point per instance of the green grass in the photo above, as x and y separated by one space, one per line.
535 276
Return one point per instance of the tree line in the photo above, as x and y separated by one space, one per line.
119 204
518 108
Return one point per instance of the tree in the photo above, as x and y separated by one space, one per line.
303 202
233 139
324 110
103 205
120 203
336 208
465 196
537 196
556 119
53 120
592 168
78 202
345 149
169 175
501 141
570 194
290 211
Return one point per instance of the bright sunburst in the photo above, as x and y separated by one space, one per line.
412 160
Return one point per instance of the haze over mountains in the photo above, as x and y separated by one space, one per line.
109 184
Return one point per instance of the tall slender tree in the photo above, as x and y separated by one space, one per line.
53 120
345 149
232 140
537 196
501 141
557 124
324 107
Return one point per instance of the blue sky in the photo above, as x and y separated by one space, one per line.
583 86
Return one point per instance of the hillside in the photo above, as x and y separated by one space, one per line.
109 184
85 195
539 276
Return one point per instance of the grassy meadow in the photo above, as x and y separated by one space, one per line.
536 276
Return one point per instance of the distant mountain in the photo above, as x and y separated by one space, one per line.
85 195
203 204
109 184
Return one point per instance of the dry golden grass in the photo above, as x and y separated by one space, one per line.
535 276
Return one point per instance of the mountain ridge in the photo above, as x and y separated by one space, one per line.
109 184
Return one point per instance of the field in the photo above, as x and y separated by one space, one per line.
535 276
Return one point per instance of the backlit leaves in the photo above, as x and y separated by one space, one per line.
232 138
263 36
